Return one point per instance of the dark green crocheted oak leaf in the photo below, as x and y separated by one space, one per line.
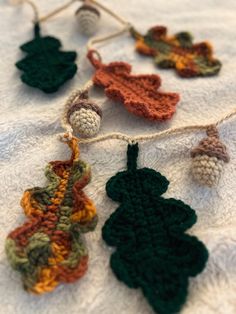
45 66
152 250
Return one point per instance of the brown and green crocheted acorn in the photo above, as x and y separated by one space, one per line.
209 158
178 52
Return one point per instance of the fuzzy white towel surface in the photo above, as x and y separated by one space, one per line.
30 123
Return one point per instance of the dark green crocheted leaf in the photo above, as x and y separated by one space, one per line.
153 251
45 66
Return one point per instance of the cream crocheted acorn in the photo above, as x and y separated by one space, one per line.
88 18
209 158
85 116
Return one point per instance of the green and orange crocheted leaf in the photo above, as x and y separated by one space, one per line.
153 252
48 249
45 66
138 93
178 51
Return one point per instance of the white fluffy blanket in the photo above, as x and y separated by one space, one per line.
29 124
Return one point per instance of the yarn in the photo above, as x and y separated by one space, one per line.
209 158
88 18
45 66
138 93
84 115
178 52
153 252
48 248
85 122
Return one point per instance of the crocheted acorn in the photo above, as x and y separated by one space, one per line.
152 249
48 249
88 18
209 158
85 116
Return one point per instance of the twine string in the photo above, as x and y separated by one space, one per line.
96 40
110 12
165 133
31 4
57 11
126 25
65 6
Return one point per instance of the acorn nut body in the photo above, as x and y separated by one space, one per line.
88 18
84 116
85 121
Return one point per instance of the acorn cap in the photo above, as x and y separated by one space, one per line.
86 104
211 146
90 8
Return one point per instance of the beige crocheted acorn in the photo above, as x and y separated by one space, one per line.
209 158
88 18
85 116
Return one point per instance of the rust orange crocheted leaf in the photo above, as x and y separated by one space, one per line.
48 249
139 93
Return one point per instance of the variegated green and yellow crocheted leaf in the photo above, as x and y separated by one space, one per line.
48 249
178 51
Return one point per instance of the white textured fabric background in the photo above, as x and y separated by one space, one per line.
29 122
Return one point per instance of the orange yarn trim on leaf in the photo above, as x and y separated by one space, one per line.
139 93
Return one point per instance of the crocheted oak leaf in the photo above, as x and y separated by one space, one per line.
45 66
178 51
138 92
153 252
48 248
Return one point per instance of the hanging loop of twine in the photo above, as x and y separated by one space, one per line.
65 6
31 4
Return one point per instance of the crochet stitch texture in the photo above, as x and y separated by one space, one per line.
178 51
45 66
84 115
138 92
209 158
48 249
88 18
152 250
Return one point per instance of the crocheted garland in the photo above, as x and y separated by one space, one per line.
178 51
48 249
209 158
152 250
46 67
138 92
